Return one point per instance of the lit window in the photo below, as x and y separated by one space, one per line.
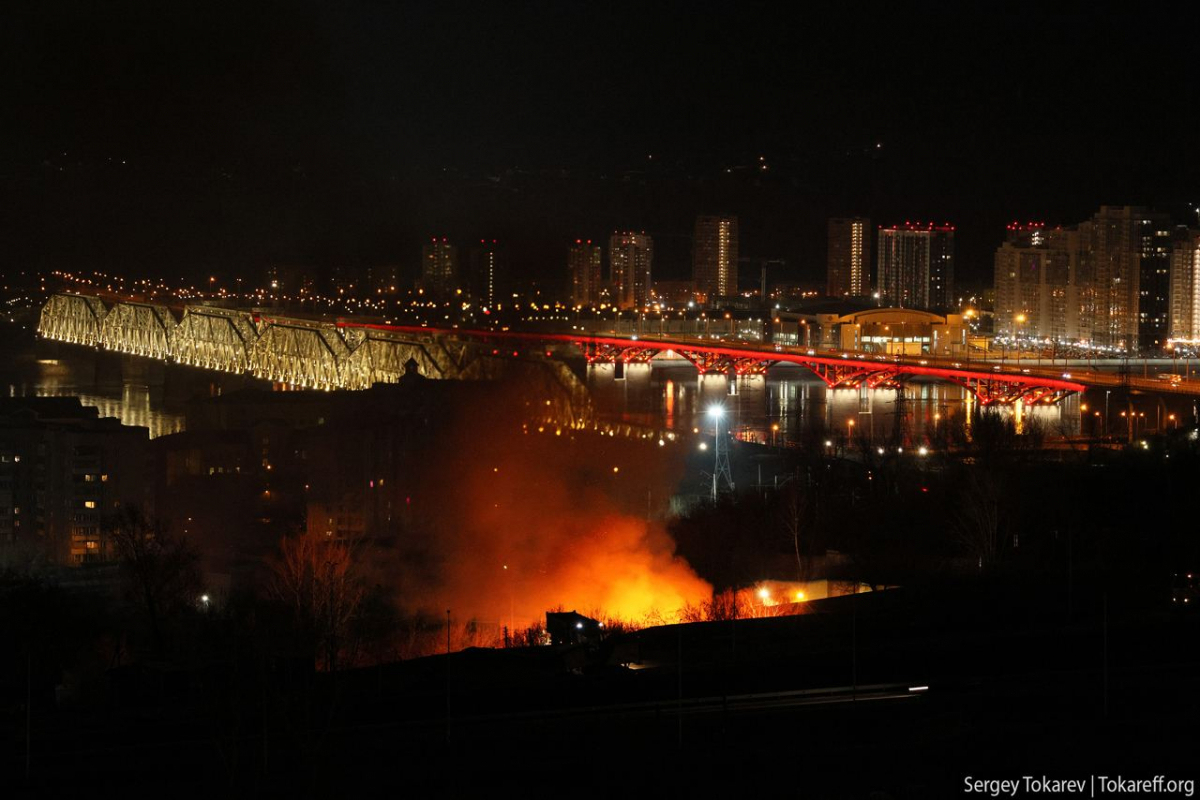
89 503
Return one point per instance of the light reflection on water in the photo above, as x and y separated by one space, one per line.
667 395
674 397
132 402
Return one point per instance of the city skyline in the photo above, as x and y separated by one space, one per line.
430 396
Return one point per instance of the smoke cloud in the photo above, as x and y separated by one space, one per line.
507 522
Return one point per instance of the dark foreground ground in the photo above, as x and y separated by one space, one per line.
827 704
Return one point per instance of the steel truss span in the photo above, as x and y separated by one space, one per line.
73 318
305 353
352 355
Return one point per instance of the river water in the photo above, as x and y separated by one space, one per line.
778 408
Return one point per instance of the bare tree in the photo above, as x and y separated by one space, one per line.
1034 434
979 519
161 572
722 606
995 435
316 578
792 513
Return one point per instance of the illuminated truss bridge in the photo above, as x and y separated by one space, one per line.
305 353
348 354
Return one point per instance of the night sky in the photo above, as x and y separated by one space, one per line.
186 139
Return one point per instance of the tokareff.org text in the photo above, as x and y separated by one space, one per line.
1091 786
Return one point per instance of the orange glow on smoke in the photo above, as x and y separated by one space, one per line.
516 525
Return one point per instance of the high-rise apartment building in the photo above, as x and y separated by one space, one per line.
1036 291
1154 281
488 271
1109 281
439 266
715 256
584 263
1184 320
1111 278
63 472
916 265
849 257
1125 247
941 268
630 257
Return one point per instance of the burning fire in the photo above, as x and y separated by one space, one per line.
531 522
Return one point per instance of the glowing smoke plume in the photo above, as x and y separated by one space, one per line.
513 523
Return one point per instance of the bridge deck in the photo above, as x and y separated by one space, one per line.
962 372
329 353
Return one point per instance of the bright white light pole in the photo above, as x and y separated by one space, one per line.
721 452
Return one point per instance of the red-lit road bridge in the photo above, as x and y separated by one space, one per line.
990 384
352 354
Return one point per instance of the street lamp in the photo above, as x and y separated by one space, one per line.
1020 320
969 314
1107 392
720 452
